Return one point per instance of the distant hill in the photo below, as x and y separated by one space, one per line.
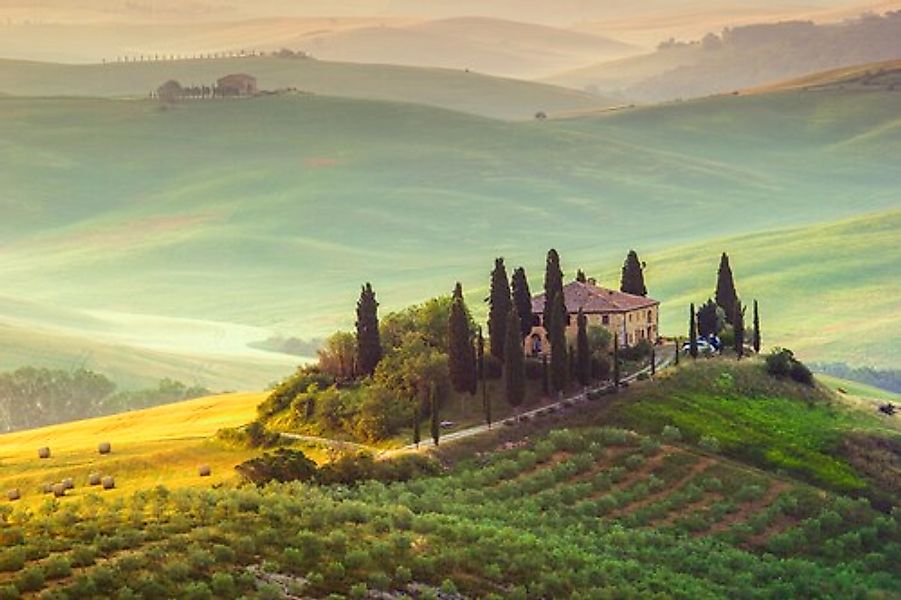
884 75
742 57
452 89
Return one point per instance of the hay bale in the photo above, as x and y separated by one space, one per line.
104 448
46 488
94 479
59 490
69 483
205 471
13 495
108 483
44 452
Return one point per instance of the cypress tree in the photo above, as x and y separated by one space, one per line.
678 350
369 345
522 299
708 319
514 364
557 339
725 289
460 359
435 417
633 276
583 350
692 332
653 361
545 377
553 280
499 305
580 276
480 357
416 433
756 329
616 362
739 328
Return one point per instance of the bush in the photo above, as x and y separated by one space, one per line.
708 443
12 560
57 568
781 362
801 374
671 434
9 592
638 352
284 465
30 579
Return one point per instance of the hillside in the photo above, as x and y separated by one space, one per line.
571 508
741 57
884 75
451 89
260 203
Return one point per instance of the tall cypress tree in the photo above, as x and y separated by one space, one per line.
725 289
480 357
692 332
545 377
553 279
633 276
435 420
369 344
756 329
460 359
678 351
417 436
557 339
583 350
514 363
738 321
581 277
616 362
499 305
522 299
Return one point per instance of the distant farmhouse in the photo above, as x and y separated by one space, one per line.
239 84
632 318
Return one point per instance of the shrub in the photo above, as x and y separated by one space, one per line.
639 351
284 465
358 591
223 585
634 461
57 568
781 362
12 560
801 374
30 579
671 434
708 443
9 592
649 446
197 591
403 574
83 556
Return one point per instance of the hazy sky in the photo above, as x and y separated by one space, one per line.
556 12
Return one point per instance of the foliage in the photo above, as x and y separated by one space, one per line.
726 295
253 435
556 323
756 339
428 319
522 300
369 345
583 350
460 354
499 304
514 363
338 355
781 362
711 319
633 276
738 326
303 380
282 465
692 333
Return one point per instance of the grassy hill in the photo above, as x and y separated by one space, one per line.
283 205
573 508
444 88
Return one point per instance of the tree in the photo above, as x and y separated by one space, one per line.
756 329
580 276
499 303
692 332
739 326
522 299
678 350
553 279
514 363
616 362
338 356
417 436
633 276
557 339
369 344
460 359
480 357
710 319
725 289
583 350
545 377
435 416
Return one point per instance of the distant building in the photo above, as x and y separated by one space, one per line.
633 318
239 84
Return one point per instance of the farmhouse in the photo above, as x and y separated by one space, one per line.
633 318
239 84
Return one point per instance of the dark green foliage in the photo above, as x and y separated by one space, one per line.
483 377
254 435
545 376
633 276
738 325
283 465
616 361
417 417
435 415
581 277
514 364
781 362
369 345
460 359
557 338
499 304
553 279
725 289
583 351
283 395
756 340
522 300
692 332
678 351
710 319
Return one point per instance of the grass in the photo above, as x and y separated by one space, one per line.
158 446
779 426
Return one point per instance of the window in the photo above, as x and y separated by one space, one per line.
630 317
650 316
605 319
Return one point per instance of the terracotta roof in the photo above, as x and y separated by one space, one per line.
593 299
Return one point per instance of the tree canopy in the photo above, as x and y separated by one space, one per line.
499 304
633 276
369 345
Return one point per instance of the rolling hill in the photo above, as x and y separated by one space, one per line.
455 90
269 213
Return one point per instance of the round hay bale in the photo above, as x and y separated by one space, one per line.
13 495
46 488
59 490
94 479
68 483
104 448
44 452
108 483
205 471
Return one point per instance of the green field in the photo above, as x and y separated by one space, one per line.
266 215
458 90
